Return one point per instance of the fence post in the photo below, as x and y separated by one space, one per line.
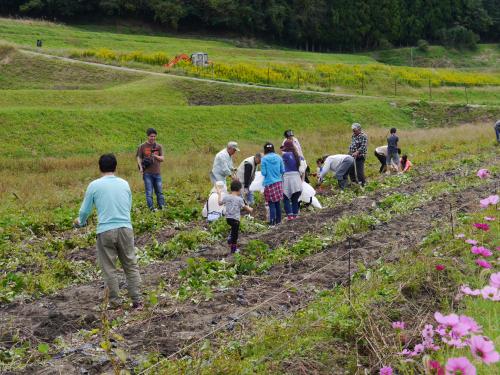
430 89
213 72
268 74
329 82
298 79
451 222
395 87
362 84
349 270
466 94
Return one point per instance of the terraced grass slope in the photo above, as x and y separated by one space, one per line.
485 58
62 37
340 73
59 132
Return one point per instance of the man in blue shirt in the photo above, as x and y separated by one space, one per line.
112 198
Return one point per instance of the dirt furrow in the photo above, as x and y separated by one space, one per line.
175 324
74 307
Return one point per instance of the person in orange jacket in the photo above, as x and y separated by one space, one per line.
405 163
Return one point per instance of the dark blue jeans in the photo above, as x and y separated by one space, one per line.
292 204
497 133
274 212
153 182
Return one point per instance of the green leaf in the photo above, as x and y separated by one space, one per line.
43 348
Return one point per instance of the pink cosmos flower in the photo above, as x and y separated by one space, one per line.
490 292
470 323
460 366
386 370
434 368
428 331
406 352
492 199
428 343
460 235
483 348
417 350
483 173
497 248
447 320
481 250
468 291
482 226
454 342
440 267
495 280
483 263
489 218
398 325
471 242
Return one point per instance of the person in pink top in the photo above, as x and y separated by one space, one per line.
405 163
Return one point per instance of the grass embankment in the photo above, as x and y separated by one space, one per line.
59 38
485 58
337 333
351 74
60 160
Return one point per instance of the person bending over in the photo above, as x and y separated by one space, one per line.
340 165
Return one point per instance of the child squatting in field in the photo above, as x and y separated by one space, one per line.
234 204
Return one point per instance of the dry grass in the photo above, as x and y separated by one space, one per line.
49 183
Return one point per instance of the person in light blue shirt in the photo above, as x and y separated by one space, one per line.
112 199
272 168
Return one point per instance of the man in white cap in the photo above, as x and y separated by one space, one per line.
223 163
358 150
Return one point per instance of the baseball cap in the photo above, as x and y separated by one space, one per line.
234 145
355 126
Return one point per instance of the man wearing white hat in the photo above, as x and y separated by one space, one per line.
358 149
223 163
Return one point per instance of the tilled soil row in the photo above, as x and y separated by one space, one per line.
173 325
74 308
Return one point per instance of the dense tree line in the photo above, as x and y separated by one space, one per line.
316 25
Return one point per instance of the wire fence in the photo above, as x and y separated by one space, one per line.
450 216
346 80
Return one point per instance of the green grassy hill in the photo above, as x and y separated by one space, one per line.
58 37
63 115
340 73
485 58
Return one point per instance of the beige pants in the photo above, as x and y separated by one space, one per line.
118 243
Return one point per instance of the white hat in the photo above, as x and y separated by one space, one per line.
234 145
355 126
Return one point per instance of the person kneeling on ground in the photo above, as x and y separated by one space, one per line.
234 204
405 163
341 165
112 198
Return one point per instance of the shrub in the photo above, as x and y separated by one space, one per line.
423 45
459 37
383 43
